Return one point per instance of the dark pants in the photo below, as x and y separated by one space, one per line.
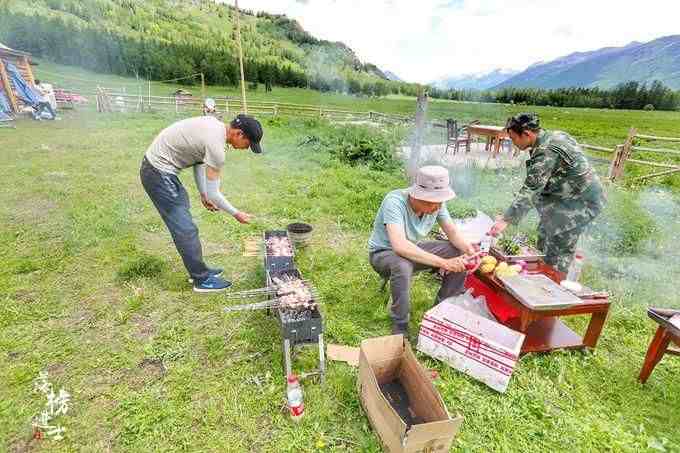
400 270
172 202
41 107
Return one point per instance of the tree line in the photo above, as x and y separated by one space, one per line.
155 41
164 39
629 95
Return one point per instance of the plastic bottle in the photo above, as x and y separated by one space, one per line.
294 396
486 243
575 268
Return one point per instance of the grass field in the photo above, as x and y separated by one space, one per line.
594 126
94 292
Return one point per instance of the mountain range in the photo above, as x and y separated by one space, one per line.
392 76
607 67
476 81
604 68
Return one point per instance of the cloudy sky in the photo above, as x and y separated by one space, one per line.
423 40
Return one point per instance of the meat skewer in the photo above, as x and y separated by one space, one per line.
291 293
278 246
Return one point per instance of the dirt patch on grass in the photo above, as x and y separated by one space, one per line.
144 327
33 211
24 445
80 318
26 295
56 369
148 371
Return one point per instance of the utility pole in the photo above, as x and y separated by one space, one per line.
418 135
149 98
240 58
203 86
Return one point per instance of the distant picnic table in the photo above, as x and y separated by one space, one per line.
494 136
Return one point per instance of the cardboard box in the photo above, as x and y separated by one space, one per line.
391 378
479 347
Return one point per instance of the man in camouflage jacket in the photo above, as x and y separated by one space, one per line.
560 184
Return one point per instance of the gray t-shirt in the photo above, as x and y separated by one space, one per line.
395 209
187 143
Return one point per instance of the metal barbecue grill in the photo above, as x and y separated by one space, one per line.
293 301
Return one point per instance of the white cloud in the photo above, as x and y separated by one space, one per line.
424 40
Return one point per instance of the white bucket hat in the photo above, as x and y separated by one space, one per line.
432 184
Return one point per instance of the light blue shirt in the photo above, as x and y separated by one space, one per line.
395 209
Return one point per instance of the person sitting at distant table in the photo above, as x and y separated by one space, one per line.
397 249
209 107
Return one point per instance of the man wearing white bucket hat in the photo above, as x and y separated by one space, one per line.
396 247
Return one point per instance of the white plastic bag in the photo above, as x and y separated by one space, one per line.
468 302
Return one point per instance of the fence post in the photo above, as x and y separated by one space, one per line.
621 156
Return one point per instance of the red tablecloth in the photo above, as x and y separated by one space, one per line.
497 306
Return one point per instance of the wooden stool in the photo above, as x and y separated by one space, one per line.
660 344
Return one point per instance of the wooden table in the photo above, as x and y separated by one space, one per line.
660 345
494 136
543 329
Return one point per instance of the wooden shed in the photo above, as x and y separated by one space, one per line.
22 61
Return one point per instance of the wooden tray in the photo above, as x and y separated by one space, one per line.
538 292
529 258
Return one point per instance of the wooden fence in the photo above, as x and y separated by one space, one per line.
109 101
624 152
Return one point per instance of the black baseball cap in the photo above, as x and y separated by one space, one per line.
251 128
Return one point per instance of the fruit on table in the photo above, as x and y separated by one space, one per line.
504 270
488 264
489 260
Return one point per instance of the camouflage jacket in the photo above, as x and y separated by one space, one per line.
560 184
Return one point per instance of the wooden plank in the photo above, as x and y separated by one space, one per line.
656 150
653 137
8 88
656 175
652 164
29 71
597 148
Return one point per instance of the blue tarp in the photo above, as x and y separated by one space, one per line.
22 89
5 108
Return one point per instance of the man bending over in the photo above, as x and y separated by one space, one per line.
199 143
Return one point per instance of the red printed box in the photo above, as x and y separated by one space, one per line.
479 347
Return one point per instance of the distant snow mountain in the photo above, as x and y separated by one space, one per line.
477 81
392 76
643 62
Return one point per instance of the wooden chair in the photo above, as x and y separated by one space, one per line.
661 343
455 136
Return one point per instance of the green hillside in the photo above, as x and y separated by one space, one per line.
166 39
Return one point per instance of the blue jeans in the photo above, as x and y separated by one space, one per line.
172 202
40 107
